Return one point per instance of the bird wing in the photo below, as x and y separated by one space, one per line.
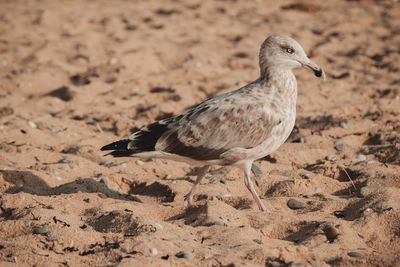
213 127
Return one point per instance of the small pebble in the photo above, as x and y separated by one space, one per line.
339 147
331 157
53 238
115 212
218 223
153 251
139 162
343 124
159 225
123 165
224 220
212 179
361 157
318 190
221 196
258 241
113 61
367 190
367 211
87 200
355 254
184 254
331 232
40 230
39 125
295 204
153 229
27 223
32 124
255 169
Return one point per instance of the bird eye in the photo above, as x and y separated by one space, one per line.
289 50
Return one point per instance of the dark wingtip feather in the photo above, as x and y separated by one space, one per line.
118 145
117 153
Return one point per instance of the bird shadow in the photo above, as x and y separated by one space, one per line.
160 191
26 181
195 215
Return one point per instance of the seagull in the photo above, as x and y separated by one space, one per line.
232 129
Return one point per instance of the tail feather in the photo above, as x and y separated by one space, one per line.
120 145
143 140
118 153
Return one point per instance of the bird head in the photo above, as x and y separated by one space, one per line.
284 52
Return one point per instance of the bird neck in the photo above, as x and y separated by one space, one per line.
278 75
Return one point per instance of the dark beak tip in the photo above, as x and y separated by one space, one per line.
318 73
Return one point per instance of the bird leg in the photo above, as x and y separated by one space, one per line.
249 185
189 196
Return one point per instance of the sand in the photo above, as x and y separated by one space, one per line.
76 75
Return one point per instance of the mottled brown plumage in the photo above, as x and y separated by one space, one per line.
235 128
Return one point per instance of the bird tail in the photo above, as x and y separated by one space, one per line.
143 140
118 145
120 148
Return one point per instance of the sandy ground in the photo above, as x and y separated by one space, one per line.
76 75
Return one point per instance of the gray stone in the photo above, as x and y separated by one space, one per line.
258 241
221 196
318 190
331 157
295 204
115 212
184 254
153 251
53 238
256 170
361 157
367 190
355 254
40 230
217 223
339 147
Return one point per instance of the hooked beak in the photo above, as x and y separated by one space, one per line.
314 68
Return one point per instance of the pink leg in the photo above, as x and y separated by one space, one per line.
249 185
189 196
